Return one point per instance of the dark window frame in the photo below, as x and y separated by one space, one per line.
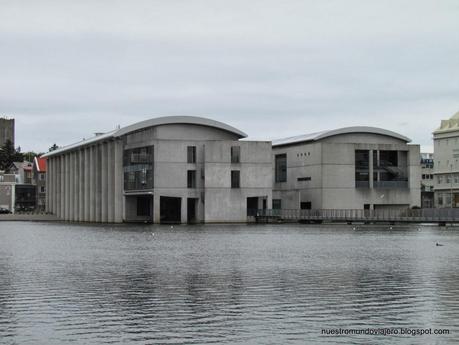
280 168
235 154
191 155
235 179
191 178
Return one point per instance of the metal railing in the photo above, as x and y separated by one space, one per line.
390 184
427 215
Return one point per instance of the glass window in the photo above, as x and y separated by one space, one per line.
138 168
277 204
191 154
235 179
191 183
440 179
235 154
281 168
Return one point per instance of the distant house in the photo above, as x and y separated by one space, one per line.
23 171
39 179
19 189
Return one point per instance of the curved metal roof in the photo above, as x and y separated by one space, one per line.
168 120
347 130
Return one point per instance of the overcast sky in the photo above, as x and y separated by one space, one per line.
271 68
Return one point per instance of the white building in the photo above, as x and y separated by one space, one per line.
170 169
427 180
446 163
348 168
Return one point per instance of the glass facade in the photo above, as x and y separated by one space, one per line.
281 168
138 168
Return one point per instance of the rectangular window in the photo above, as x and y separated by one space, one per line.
235 179
191 179
277 204
191 154
42 189
306 205
448 178
235 154
440 179
304 179
281 168
42 176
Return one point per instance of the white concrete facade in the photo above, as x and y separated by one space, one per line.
321 171
446 163
143 173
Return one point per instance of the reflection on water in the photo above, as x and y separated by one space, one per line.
224 284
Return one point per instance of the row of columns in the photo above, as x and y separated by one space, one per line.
86 185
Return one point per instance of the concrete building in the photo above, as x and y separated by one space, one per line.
6 130
15 195
446 163
170 169
427 180
348 168
39 180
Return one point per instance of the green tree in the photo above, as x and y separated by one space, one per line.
8 155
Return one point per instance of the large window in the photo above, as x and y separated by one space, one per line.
235 154
362 172
235 179
138 168
281 168
191 154
191 179
277 204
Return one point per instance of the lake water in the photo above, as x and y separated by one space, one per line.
225 284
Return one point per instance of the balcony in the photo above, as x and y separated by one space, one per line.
390 184
362 184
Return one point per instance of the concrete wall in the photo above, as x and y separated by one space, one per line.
446 167
226 204
86 184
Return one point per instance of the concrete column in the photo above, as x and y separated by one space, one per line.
55 185
68 192
62 188
104 181
81 185
47 188
111 182
156 208
71 173
370 169
76 187
87 184
98 175
119 181
184 212
92 187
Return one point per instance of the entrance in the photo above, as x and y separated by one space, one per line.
139 208
170 210
191 210
252 206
